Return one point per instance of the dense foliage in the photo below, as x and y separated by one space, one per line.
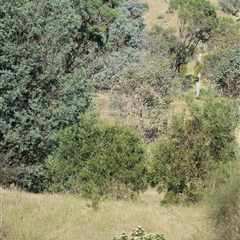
96 159
128 28
227 74
199 139
197 23
125 41
53 53
92 40
40 92
227 34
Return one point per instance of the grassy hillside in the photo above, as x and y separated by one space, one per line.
25 216
157 14
158 9
28 216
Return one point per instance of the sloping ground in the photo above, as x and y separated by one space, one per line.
63 217
157 14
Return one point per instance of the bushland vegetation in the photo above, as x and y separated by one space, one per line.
224 201
198 140
55 56
96 159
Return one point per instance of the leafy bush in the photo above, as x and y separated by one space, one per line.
199 138
223 199
30 178
228 72
96 159
139 234
209 66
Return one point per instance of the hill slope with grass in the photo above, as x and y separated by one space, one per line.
64 216
157 14
45 216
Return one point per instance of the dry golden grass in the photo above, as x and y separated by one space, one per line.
159 8
31 216
102 101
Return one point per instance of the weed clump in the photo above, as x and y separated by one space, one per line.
139 234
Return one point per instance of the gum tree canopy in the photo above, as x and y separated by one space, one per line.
197 21
43 86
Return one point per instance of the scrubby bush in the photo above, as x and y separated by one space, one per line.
96 159
223 200
30 178
199 138
139 234
228 74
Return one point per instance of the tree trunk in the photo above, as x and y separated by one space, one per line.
141 124
224 87
198 82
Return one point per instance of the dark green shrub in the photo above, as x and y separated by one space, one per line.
198 139
96 159
30 178
139 234
223 200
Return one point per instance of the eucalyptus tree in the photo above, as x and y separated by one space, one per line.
43 85
143 96
128 28
197 23
125 41
93 35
